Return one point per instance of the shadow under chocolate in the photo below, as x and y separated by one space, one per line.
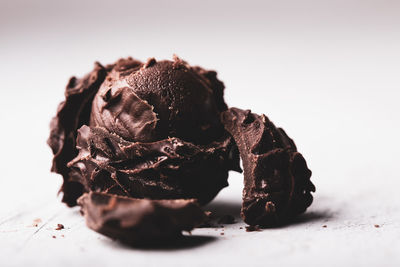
221 208
181 243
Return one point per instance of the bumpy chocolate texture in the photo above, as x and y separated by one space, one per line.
146 130
139 221
277 182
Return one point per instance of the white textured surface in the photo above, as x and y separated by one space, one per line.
327 72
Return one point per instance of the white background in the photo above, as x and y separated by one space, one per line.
328 72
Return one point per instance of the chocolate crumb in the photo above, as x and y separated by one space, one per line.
324 226
240 227
252 228
36 222
227 219
377 225
59 226
222 233
53 236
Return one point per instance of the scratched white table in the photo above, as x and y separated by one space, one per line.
351 236
327 72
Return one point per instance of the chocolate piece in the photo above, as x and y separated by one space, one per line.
60 227
276 178
167 110
139 221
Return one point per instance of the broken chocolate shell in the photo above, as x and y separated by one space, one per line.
139 221
277 182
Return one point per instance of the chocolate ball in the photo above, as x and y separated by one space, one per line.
143 130
157 100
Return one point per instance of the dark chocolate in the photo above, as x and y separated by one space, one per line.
277 182
165 105
166 169
139 221
131 137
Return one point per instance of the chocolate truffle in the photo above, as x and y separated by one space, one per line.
146 130
146 143
277 182
139 221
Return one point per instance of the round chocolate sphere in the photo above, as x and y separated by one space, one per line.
143 130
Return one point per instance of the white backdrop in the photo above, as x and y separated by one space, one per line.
325 71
